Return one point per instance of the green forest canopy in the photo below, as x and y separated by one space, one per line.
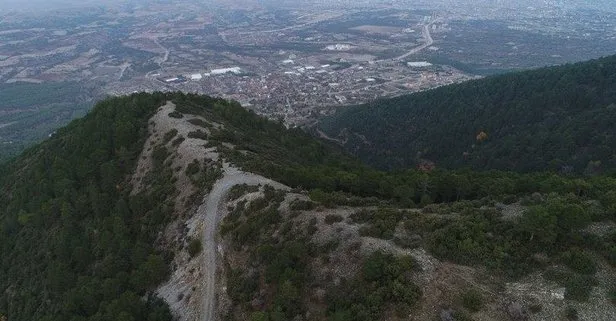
558 118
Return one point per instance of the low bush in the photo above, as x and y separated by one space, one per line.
383 281
199 122
169 135
159 155
193 168
580 262
472 300
194 247
176 114
579 287
198 134
178 141
238 191
361 216
333 218
571 313
301 205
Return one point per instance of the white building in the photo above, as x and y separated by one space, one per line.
418 64
338 47
222 71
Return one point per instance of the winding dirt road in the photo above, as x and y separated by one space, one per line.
214 213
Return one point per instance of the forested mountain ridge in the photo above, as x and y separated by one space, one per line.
104 221
557 118
69 251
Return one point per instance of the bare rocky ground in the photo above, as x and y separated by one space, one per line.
191 291
184 290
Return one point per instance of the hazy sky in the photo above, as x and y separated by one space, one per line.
23 5
33 5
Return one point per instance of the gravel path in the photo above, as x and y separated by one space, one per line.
214 213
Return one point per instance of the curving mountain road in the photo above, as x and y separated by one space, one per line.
214 212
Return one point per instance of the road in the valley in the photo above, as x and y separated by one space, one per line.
428 42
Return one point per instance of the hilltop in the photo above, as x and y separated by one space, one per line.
173 206
557 118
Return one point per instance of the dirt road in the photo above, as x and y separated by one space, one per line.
214 213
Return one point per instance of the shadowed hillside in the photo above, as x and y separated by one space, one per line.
558 118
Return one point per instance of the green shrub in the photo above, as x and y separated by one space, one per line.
425 200
176 114
571 313
238 191
198 134
333 218
557 275
193 168
361 216
240 287
381 225
312 226
194 247
509 199
580 262
199 122
610 252
579 287
472 300
159 155
383 282
329 246
178 141
259 316
301 205
169 135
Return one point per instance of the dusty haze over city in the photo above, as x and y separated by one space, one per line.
287 59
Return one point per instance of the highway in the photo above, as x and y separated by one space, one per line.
428 42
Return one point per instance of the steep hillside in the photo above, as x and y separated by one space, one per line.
556 118
173 206
74 244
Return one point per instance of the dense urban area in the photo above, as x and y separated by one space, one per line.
294 60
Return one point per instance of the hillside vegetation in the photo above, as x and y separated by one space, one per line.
558 118
77 244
